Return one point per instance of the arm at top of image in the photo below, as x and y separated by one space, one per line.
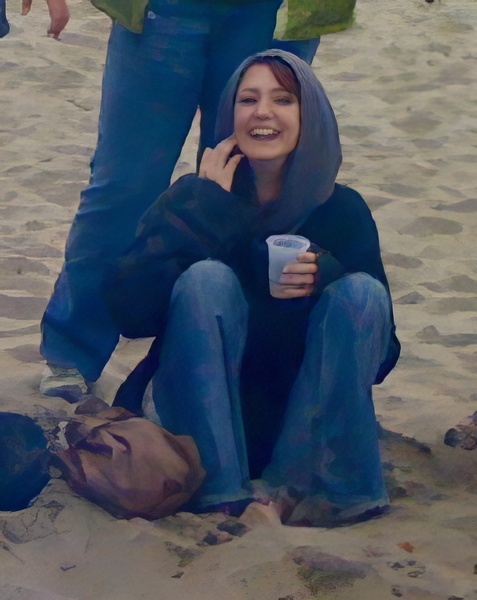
59 15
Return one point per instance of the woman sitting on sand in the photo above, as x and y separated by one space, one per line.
276 388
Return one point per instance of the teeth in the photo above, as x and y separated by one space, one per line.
255 132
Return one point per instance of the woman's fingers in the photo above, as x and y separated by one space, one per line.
307 257
300 268
219 156
233 163
226 146
218 165
297 279
204 162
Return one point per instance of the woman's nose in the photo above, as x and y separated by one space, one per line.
263 109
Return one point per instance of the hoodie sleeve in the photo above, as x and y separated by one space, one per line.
345 228
193 220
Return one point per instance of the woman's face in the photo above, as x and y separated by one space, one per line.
266 118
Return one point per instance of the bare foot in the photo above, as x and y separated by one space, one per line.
261 514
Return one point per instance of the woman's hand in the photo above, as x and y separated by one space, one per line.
297 278
217 164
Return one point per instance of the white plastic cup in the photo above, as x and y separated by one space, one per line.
283 249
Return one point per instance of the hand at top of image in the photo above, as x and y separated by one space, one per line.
59 15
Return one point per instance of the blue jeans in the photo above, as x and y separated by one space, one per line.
152 86
4 26
328 445
305 49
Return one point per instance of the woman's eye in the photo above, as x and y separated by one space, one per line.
283 100
247 100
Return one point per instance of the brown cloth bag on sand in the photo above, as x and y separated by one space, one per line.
128 465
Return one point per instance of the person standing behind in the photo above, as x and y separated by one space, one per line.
159 56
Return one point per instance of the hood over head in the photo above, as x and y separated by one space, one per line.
311 169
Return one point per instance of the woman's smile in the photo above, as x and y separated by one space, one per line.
264 134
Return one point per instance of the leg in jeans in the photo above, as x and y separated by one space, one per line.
196 388
147 106
151 89
4 26
304 49
328 449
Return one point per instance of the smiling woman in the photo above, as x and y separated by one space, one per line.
276 387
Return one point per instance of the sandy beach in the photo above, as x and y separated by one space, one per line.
403 82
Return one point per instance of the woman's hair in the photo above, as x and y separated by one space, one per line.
312 167
282 72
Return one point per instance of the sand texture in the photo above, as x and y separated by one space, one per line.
403 82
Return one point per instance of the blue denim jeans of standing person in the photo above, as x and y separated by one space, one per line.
152 85
328 446
305 49
4 26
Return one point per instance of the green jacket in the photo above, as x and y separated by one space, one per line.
305 19
296 19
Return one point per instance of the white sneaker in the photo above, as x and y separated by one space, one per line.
68 384
148 406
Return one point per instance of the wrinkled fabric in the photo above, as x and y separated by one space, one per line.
328 444
296 19
206 332
303 19
128 13
131 13
129 466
